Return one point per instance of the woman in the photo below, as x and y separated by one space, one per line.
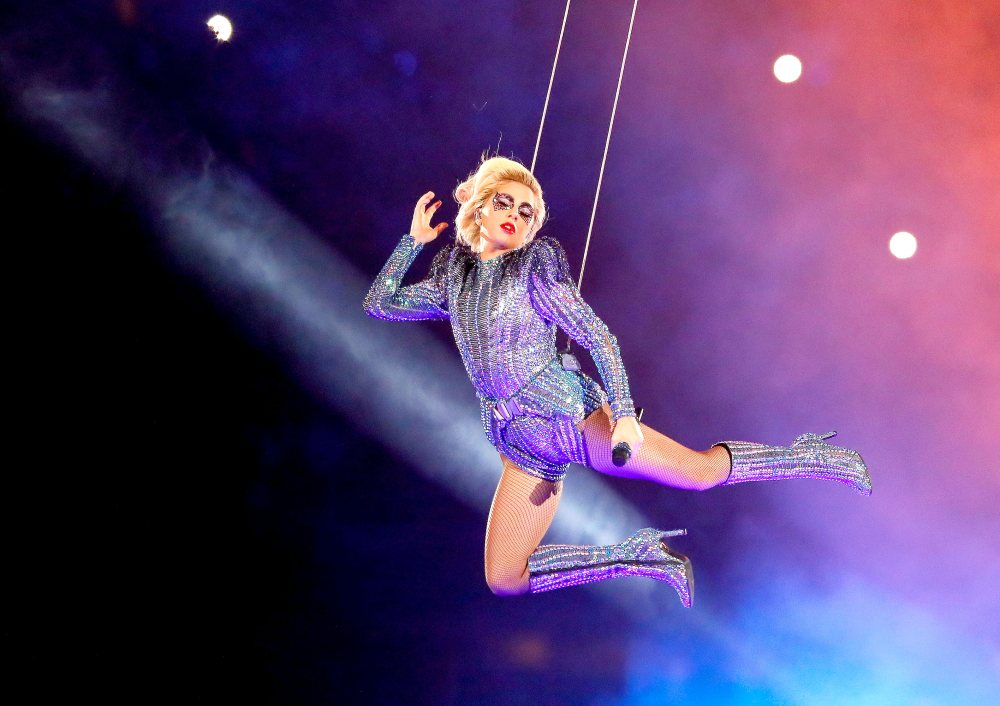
505 291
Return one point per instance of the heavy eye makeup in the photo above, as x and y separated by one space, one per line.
505 202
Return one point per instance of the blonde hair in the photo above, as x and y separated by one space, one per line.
479 187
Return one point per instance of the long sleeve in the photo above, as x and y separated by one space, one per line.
426 299
555 296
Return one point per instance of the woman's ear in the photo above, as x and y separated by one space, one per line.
462 194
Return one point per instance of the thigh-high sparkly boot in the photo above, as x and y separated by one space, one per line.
808 457
645 553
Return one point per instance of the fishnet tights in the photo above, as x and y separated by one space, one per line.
523 505
659 459
522 510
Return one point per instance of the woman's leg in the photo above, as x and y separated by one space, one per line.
522 510
659 459
664 461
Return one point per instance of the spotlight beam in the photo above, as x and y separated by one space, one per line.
291 292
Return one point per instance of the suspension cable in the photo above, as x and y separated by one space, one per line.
607 141
548 93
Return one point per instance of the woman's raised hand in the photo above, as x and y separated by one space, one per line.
421 228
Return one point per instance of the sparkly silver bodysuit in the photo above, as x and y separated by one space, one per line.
504 313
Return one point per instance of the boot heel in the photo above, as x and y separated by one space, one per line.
674 569
810 436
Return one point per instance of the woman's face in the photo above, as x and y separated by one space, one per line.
508 216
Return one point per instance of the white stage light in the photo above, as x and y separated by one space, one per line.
903 245
221 27
787 68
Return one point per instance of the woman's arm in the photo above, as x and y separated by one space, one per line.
555 296
415 302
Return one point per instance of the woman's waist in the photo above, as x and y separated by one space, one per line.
549 392
502 381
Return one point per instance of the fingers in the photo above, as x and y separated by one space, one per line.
426 216
634 441
422 211
422 203
418 210
421 227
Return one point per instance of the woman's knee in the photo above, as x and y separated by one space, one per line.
711 469
507 580
701 483
506 564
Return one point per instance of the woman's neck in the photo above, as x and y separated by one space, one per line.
490 253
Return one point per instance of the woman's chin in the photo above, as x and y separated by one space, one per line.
506 241
513 241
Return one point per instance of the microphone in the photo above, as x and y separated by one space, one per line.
621 453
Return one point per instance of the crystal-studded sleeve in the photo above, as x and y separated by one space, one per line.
426 299
555 296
